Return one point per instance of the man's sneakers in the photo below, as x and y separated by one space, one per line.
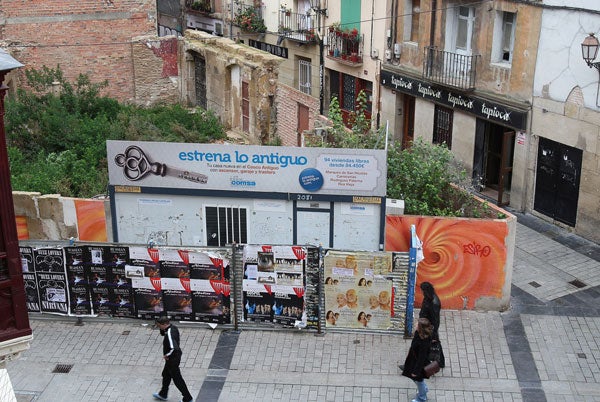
158 396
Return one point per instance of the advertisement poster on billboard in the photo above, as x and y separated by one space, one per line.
357 295
78 274
146 282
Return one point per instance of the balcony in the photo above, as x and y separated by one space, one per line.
450 69
345 46
202 7
299 27
248 18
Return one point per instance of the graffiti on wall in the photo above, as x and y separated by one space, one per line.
464 259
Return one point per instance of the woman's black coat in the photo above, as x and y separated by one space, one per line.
430 309
417 358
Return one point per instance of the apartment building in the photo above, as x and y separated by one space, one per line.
461 73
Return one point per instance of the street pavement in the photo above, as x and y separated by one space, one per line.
544 348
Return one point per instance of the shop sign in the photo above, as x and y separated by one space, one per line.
477 106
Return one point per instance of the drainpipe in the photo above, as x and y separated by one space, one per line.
431 36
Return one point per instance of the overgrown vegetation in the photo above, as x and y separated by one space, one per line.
57 132
426 176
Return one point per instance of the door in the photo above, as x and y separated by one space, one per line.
408 127
493 161
460 33
245 107
200 80
313 223
557 181
506 157
302 122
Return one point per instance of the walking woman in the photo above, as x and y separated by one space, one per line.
430 309
416 359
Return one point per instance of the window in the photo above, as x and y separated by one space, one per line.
346 88
442 126
504 37
412 15
304 76
225 225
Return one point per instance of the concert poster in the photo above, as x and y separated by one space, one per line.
52 280
29 279
78 275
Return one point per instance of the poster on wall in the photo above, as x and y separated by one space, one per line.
357 295
273 284
52 280
175 284
312 286
144 273
29 279
258 302
78 275
211 289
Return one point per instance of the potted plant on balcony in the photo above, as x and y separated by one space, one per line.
250 21
334 27
310 35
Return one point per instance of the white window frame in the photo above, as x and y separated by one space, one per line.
499 31
304 76
452 23
409 10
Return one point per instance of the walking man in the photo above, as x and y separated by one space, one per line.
172 356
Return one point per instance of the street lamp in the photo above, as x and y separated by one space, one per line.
15 332
589 51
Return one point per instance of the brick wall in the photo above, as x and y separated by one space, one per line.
88 36
287 101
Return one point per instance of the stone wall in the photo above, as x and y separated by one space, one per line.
288 100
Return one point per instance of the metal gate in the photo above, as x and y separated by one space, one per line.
557 181
200 81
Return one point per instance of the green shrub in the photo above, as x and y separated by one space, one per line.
57 141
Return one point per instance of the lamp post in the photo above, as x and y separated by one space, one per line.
589 51
321 12
15 332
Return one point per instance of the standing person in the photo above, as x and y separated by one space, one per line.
172 356
430 309
416 359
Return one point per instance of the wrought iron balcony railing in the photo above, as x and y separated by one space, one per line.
345 47
299 27
451 69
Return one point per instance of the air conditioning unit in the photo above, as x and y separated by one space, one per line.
218 29
374 53
394 207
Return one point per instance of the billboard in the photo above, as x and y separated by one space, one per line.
323 171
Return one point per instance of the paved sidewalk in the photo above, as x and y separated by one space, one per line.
544 348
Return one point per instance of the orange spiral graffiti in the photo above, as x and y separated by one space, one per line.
464 258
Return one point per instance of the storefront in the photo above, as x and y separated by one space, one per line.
488 136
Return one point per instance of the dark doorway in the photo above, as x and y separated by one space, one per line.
408 117
557 181
200 80
303 116
493 161
245 107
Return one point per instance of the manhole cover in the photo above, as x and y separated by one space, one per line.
578 284
125 332
535 284
62 368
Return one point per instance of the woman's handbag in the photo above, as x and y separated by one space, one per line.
435 352
431 368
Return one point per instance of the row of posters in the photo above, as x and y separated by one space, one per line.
127 281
